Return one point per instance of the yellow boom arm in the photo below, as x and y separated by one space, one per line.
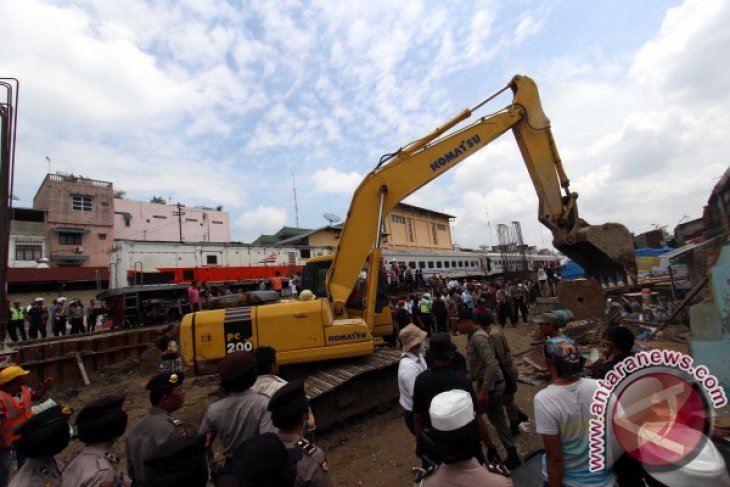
602 250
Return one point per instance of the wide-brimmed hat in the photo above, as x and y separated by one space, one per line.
410 336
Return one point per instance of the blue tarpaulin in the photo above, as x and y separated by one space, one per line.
571 269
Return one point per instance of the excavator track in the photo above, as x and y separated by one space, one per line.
340 390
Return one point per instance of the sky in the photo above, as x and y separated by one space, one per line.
230 102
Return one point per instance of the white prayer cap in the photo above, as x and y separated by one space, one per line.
451 410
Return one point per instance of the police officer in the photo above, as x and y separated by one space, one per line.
261 461
242 413
180 461
289 412
99 425
41 437
17 322
157 426
490 386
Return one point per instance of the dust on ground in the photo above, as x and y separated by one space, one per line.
374 449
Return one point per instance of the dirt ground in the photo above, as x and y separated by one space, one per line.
374 449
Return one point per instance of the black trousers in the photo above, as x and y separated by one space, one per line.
15 326
77 326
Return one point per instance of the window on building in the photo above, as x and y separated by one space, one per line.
216 222
211 259
421 265
398 219
461 263
453 263
69 238
446 264
102 236
28 252
441 227
412 265
409 229
305 253
191 220
161 217
430 264
81 203
434 234
438 264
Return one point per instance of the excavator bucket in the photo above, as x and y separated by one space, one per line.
605 252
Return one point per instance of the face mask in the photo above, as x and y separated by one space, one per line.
422 348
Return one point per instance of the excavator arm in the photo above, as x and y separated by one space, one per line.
605 250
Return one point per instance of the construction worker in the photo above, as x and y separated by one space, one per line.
157 426
242 413
289 414
15 400
276 282
485 371
99 425
17 322
41 438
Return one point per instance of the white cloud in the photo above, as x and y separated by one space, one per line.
265 219
331 180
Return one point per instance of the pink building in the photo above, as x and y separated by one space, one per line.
79 220
142 221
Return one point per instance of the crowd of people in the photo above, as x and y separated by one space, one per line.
262 424
63 316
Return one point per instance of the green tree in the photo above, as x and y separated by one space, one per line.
159 200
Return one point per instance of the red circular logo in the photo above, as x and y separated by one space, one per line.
661 419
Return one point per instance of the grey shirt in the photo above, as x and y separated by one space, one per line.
236 418
93 467
45 472
313 467
155 427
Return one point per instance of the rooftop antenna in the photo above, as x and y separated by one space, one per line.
331 217
296 207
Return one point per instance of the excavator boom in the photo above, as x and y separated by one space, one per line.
603 251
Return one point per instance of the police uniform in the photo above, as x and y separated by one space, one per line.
155 428
467 474
42 437
101 421
242 414
312 469
286 404
93 467
485 371
40 472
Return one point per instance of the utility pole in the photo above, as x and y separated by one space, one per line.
8 122
296 207
179 214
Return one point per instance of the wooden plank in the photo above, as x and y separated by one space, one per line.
82 369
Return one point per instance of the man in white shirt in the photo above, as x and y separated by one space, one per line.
411 365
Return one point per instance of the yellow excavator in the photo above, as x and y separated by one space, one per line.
349 315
